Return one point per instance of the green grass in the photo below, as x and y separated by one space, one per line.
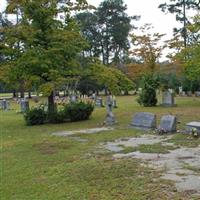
38 166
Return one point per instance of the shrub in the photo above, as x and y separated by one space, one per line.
148 95
35 116
78 111
57 117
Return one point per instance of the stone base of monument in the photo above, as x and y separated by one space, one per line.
168 105
110 120
193 125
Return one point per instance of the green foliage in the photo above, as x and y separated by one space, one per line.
111 78
148 95
57 117
107 30
78 111
41 46
169 81
35 116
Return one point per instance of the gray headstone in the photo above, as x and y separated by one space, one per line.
168 99
5 105
99 102
168 123
24 104
73 98
110 118
144 120
189 93
114 103
192 125
197 93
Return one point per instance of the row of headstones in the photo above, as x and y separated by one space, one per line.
169 100
24 105
99 103
188 93
145 120
168 123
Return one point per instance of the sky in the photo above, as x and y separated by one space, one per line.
147 9
149 12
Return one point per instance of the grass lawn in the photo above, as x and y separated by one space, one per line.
38 166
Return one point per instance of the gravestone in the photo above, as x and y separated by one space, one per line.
144 120
110 118
180 89
183 93
99 102
114 103
193 125
5 105
189 93
73 99
197 93
168 123
168 99
24 104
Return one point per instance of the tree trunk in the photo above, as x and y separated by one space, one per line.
126 93
14 94
51 105
22 94
29 95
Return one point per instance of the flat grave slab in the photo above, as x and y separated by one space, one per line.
192 125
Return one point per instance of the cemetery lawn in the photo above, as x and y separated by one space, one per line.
38 166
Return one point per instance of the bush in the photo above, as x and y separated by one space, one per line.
35 116
78 111
57 117
148 95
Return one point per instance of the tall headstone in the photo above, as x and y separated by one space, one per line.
168 124
110 118
168 99
180 90
144 120
24 104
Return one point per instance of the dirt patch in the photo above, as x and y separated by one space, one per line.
48 148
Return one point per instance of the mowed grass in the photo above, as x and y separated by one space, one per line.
38 166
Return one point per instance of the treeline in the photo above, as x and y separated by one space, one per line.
48 48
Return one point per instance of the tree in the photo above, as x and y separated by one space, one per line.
48 46
88 23
115 26
107 30
108 77
179 8
190 56
147 48
149 85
